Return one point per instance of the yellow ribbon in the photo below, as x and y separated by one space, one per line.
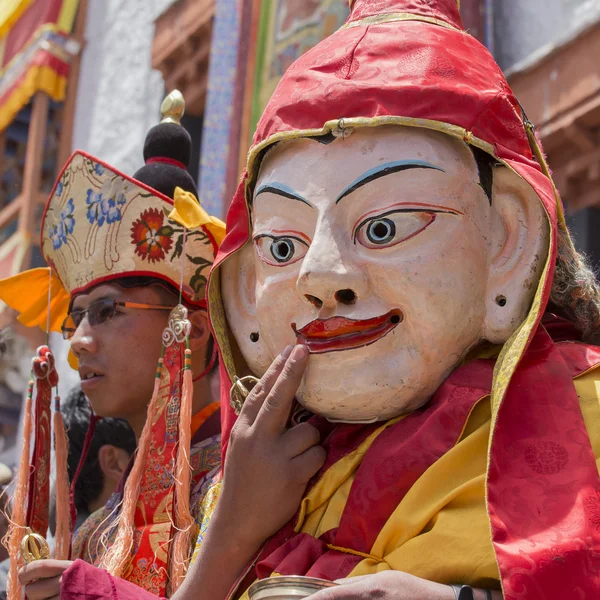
27 293
189 212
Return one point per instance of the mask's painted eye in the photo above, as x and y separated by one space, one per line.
381 231
392 228
279 251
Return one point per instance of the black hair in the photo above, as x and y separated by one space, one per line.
485 165
146 281
77 413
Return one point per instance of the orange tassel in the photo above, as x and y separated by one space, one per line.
63 517
16 530
118 555
184 522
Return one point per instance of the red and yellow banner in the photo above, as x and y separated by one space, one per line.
35 51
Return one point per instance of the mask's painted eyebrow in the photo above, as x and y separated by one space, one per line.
383 170
281 190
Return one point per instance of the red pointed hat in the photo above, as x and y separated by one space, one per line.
411 63
398 58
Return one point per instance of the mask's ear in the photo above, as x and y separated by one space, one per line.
238 290
519 248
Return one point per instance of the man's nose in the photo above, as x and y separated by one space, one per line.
84 340
328 276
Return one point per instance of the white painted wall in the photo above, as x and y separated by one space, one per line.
525 29
119 95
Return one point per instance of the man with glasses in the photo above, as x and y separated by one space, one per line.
120 266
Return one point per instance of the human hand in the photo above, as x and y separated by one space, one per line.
386 585
268 465
394 585
42 578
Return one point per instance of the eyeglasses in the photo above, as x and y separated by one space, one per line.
99 312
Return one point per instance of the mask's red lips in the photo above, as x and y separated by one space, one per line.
340 333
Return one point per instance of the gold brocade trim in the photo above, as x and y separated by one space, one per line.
355 553
397 17
354 123
541 158
219 321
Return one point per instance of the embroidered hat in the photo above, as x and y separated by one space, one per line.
100 225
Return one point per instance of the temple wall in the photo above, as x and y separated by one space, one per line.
524 29
119 94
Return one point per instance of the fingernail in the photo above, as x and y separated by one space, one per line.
287 351
299 352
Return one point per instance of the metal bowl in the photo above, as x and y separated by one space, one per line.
287 588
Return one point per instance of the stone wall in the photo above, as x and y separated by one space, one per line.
119 94
527 28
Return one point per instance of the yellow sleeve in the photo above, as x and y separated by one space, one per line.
205 512
588 391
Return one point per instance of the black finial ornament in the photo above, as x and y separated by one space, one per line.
168 150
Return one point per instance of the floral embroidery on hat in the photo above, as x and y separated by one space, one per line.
151 237
105 205
58 231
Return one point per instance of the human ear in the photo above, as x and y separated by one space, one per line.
112 461
200 332
519 248
238 289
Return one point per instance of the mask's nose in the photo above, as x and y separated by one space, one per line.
328 276
346 296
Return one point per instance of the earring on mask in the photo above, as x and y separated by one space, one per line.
254 337
501 300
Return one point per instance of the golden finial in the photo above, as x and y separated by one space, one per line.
173 108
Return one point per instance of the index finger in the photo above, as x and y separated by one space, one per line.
257 396
275 411
42 569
